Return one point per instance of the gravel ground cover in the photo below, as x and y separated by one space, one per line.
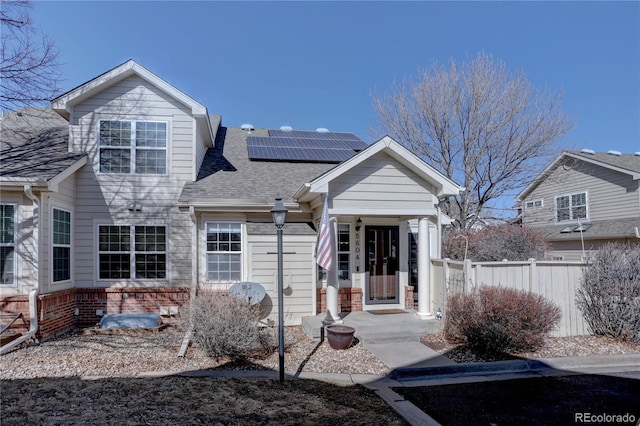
128 355
95 379
554 347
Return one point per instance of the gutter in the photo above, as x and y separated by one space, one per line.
33 294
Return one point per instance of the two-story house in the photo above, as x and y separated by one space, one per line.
128 196
583 200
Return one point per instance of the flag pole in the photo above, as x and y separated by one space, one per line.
327 258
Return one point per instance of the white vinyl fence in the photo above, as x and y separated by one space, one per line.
555 280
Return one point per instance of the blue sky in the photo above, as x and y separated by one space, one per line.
315 64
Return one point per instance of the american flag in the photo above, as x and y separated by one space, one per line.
324 255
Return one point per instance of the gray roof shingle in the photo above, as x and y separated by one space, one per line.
629 162
34 143
228 175
603 229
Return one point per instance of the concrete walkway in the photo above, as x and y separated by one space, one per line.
392 337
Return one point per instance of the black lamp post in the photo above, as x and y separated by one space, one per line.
279 213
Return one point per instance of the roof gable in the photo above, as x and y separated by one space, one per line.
443 185
64 103
624 163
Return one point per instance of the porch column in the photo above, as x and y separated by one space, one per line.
424 269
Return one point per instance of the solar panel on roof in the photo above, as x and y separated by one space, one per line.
262 152
309 134
303 143
304 146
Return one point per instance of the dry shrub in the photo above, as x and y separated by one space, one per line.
228 327
497 319
495 243
609 296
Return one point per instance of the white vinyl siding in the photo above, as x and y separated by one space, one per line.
299 268
104 198
7 244
381 185
605 188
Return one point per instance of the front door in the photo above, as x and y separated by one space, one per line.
382 246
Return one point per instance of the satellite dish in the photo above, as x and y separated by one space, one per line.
252 292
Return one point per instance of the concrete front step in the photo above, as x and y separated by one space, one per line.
389 328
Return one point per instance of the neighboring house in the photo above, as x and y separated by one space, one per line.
128 196
583 200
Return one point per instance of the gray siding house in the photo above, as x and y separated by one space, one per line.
583 200
128 196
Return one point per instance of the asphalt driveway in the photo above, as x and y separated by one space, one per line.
581 399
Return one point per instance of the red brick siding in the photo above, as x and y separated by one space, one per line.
349 299
56 311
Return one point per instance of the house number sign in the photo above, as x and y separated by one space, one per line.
357 251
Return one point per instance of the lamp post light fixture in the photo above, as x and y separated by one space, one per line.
279 213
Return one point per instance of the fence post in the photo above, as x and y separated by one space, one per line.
468 276
445 275
532 273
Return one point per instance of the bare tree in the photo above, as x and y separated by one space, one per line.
29 71
479 124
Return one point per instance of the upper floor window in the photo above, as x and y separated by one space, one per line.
7 244
224 251
135 147
61 245
533 204
571 207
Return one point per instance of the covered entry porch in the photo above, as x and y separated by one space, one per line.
383 205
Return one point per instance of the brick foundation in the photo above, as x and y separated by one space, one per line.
349 299
408 297
56 311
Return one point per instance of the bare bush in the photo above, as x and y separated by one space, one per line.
609 295
226 326
497 319
495 243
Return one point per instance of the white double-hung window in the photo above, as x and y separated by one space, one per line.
7 244
133 147
224 252
127 252
571 207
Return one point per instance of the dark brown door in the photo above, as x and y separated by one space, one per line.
383 251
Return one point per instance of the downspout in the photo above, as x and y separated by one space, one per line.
637 232
194 280
33 294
